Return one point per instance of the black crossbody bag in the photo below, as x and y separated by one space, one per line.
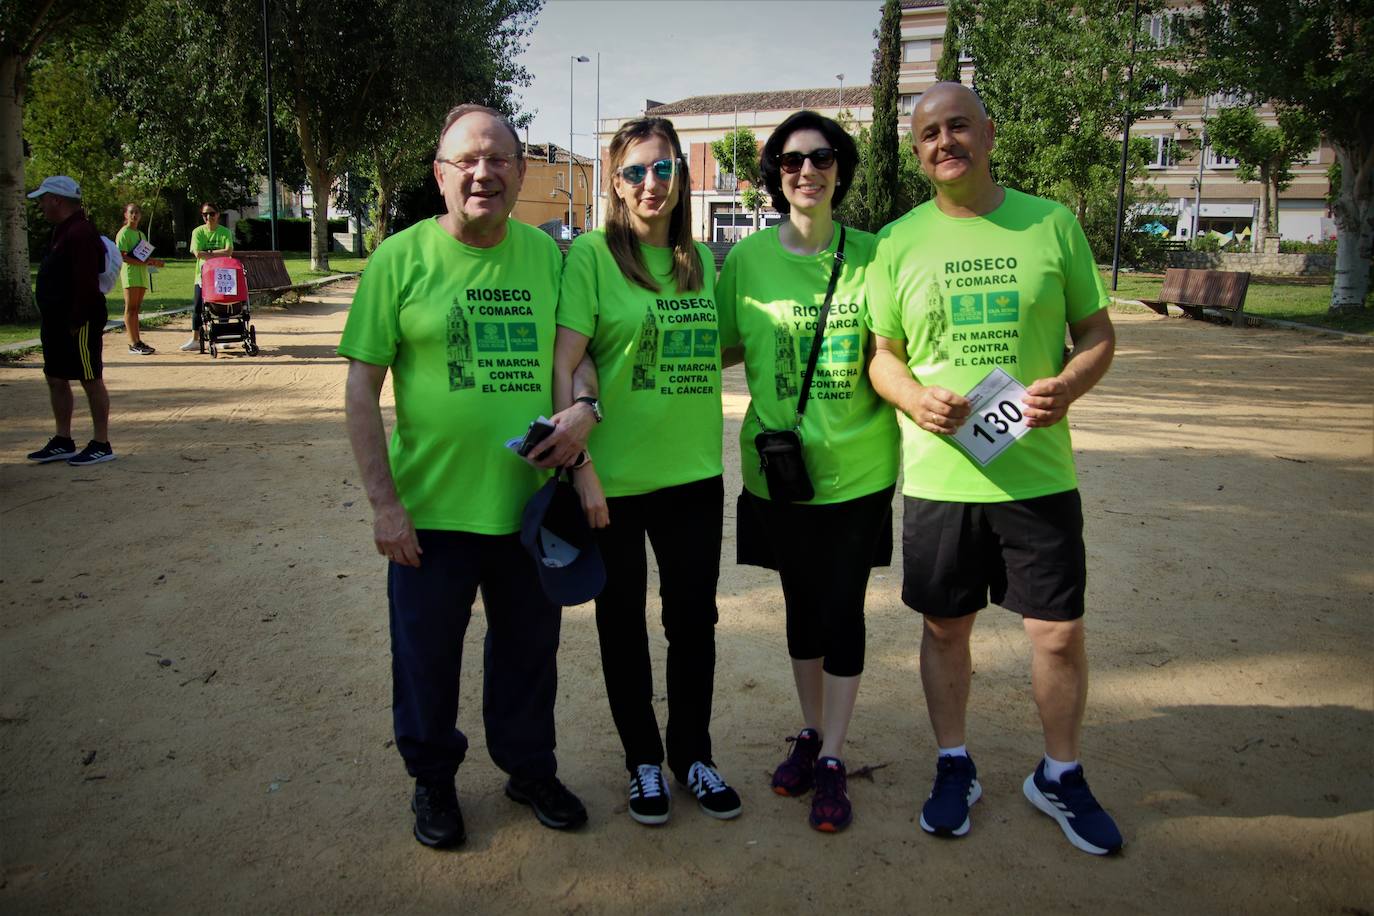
780 451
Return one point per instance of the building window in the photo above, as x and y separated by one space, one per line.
1159 96
1163 152
1228 100
913 51
1161 30
1217 161
964 55
905 103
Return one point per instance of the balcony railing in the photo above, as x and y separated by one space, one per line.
726 182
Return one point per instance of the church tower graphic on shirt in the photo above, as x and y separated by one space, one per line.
784 363
460 374
646 354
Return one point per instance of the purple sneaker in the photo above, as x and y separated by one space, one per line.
830 808
794 776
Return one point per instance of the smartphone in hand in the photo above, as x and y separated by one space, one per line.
539 430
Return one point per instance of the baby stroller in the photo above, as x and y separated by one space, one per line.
225 318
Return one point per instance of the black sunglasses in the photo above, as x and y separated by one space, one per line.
822 158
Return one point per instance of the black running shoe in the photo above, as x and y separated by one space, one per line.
795 775
956 788
650 800
714 796
59 448
438 819
93 453
141 349
553 804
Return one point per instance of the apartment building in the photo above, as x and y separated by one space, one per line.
544 194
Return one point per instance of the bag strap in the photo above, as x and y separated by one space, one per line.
819 339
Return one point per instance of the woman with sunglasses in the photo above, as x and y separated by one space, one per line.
134 276
771 293
639 296
210 240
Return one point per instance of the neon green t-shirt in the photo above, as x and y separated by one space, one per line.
202 239
131 274
969 295
468 334
658 364
769 300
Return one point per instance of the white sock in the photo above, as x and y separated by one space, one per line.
960 751
1055 769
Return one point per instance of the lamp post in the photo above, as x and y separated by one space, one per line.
1201 157
271 172
574 59
840 77
596 138
1125 147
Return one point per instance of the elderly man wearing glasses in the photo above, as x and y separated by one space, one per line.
208 241
460 309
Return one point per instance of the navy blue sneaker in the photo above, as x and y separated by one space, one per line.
1070 802
956 788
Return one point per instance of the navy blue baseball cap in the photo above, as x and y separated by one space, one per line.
554 530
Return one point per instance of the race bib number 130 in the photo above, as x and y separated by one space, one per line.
997 418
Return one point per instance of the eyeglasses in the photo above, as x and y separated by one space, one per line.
822 158
664 170
468 164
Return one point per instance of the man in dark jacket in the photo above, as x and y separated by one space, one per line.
72 309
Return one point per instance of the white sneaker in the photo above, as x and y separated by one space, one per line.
190 345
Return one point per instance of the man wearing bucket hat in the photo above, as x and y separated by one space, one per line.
72 311
460 310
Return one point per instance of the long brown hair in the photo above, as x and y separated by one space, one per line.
620 236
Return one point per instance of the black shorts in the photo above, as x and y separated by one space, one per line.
74 357
1027 554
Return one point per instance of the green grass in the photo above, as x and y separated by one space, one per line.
1302 299
172 289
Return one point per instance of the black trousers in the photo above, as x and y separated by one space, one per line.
197 307
430 610
683 523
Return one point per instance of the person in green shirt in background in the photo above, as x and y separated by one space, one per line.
639 296
134 275
208 241
770 292
979 281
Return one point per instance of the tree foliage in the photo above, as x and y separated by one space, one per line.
737 153
909 189
882 167
948 67
1316 56
1263 153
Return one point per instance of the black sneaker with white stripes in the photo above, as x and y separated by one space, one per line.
59 448
649 798
713 795
93 453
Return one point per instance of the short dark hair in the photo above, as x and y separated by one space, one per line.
459 111
846 155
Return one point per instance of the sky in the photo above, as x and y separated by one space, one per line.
671 49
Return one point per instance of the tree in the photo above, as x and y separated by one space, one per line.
882 164
1266 153
1059 122
26 27
1316 56
911 188
947 70
737 153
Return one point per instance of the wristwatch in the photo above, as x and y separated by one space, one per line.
594 403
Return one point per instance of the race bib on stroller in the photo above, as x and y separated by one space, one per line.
226 282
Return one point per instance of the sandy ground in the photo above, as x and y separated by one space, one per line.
194 711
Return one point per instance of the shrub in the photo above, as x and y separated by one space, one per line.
1326 246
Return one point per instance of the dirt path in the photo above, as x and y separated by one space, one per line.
194 670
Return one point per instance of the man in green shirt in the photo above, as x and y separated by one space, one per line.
460 309
969 296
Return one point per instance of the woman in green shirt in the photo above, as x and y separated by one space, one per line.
134 275
639 297
771 292
208 241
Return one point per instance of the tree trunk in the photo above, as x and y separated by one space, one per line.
16 295
176 212
321 182
381 225
1261 228
1354 212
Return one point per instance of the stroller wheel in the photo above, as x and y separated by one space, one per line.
214 351
252 345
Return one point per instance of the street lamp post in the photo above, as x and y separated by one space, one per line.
575 59
1125 148
840 77
596 138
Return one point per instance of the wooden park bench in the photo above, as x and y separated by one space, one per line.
268 280
1196 290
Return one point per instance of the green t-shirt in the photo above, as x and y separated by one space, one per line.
131 274
468 334
969 295
202 239
658 364
769 300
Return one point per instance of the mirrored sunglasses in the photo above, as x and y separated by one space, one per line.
664 170
822 158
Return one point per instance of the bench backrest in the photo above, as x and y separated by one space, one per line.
264 269
1219 288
